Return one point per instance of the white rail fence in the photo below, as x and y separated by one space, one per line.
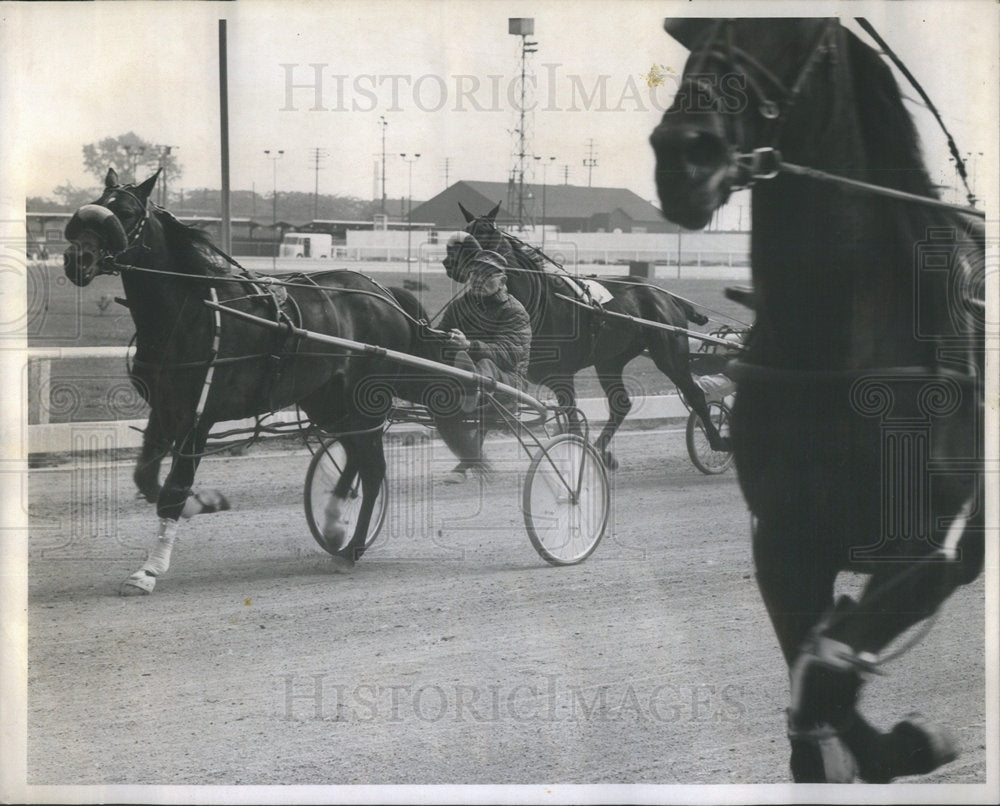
46 437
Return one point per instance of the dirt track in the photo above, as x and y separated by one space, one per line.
452 654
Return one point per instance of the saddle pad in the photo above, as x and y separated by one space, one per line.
585 290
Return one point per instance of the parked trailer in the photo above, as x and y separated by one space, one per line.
306 244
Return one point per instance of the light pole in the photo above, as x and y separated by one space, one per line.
409 201
164 158
274 157
545 165
384 124
133 153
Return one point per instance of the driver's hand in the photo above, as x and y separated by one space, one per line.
457 339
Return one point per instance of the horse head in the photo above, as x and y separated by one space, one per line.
736 93
100 231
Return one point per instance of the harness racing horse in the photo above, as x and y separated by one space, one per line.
857 427
567 338
196 367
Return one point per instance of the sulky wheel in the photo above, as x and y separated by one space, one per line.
705 459
566 500
324 472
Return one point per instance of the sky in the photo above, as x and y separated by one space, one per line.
442 74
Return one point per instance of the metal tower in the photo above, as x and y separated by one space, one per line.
519 201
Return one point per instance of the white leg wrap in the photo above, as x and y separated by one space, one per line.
159 558
334 525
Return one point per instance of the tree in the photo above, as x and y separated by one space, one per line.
132 157
72 197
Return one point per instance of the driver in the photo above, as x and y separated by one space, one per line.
487 327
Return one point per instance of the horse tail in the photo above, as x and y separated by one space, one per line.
689 312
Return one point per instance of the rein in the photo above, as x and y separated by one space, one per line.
766 163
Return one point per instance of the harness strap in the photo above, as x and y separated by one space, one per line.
213 354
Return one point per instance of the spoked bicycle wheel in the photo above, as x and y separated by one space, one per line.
566 499
700 450
324 472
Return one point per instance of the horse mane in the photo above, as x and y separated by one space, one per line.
890 136
192 247
894 151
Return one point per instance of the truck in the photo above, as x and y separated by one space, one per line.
306 244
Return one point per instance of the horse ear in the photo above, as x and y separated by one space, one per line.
492 214
111 178
469 217
686 30
147 187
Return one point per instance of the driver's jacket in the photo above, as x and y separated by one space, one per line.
498 329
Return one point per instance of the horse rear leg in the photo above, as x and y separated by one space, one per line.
670 354
619 405
893 601
366 458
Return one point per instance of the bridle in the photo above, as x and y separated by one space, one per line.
774 98
774 105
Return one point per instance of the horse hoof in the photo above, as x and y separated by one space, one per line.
335 536
920 747
609 460
342 564
141 583
455 477
819 757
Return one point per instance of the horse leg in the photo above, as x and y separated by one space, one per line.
155 445
671 357
169 507
334 522
892 602
795 603
564 388
369 458
619 405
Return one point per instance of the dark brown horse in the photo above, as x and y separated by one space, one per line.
196 367
567 338
857 424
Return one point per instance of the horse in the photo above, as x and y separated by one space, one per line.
857 424
567 338
195 366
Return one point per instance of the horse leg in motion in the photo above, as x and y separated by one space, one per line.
829 647
170 507
365 458
671 358
155 445
619 405
828 672
564 388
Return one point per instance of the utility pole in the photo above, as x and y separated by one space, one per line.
565 174
591 161
317 154
447 165
384 124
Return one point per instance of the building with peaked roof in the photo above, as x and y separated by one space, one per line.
571 208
